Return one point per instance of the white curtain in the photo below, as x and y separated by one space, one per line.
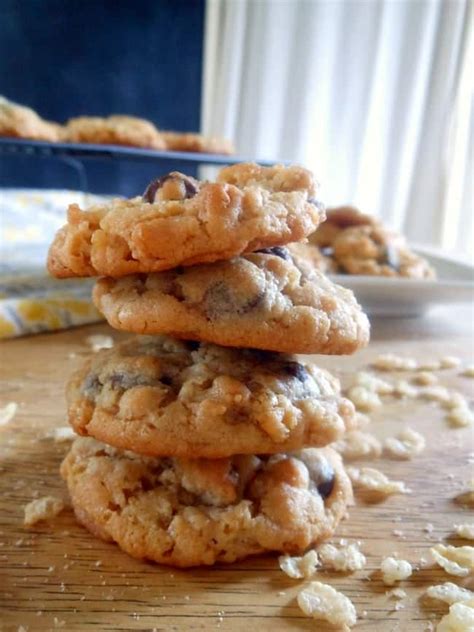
374 95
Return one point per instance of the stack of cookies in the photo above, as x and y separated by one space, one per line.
206 440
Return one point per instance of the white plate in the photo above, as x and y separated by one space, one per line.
387 296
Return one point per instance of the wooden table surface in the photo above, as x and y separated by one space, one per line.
57 575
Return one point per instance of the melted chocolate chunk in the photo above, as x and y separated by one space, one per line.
297 370
125 381
325 487
323 477
220 299
193 345
91 386
189 187
317 203
391 257
278 251
166 380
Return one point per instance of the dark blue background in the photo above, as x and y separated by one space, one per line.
67 58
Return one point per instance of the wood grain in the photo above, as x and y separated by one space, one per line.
57 575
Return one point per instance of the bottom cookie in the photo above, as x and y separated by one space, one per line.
184 512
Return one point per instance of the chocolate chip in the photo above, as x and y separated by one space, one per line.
124 381
322 475
297 370
325 487
193 345
91 386
317 203
391 257
221 299
166 380
189 186
278 251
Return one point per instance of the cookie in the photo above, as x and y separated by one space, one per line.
18 121
372 250
159 396
176 141
337 220
114 130
197 512
182 221
314 256
357 243
264 300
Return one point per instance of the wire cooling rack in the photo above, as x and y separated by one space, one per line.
81 151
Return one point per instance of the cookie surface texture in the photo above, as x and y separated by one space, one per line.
18 121
197 512
264 300
180 221
114 130
158 396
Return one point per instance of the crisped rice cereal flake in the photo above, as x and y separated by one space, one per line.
323 602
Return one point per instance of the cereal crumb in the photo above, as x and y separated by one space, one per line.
299 567
466 498
402 388
62 434
44 508
372 383
361 420
363 399
456 560
405 445
371 480
396 593
468 371
99 341
459 619
357 444
398 533
394 570
392 362
323 602
429 365
449 593
465 530
449 362
460 416
7 413
435 393
347 558
425 378
456 400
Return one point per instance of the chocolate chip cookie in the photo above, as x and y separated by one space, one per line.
373 250
159 397
183 512
264 300
18 121
180 221
114 130
177 141
359 244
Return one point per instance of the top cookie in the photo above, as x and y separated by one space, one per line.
180 221
21 122
114 130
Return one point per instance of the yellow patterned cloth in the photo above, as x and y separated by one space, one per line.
31 301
